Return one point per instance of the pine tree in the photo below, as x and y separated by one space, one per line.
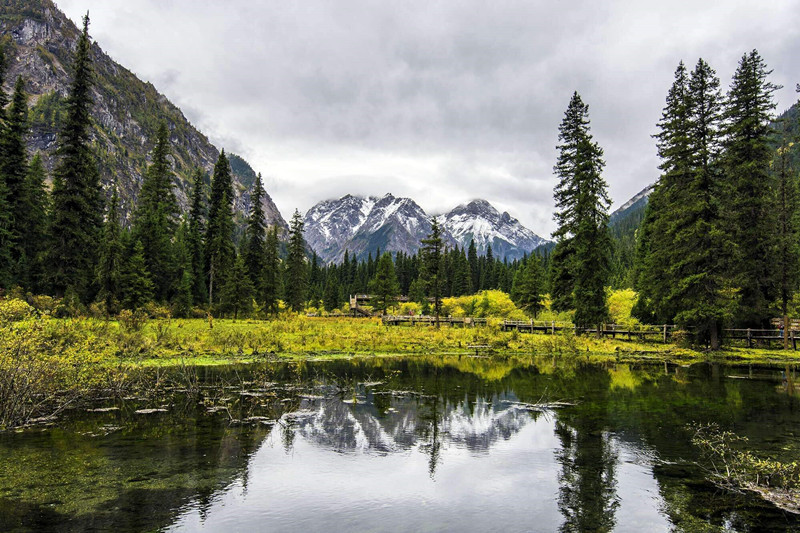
6 233
384 287
330 298
654 272
255 251
432 268
109 267
271 272
183 298
136 286
787 253
14 169
472 259
156 218
296 268
582 216
750 202
237 293
528 286
34 226
197 213
220 252
77 201
462 276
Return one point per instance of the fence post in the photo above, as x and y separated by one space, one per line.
749 338
665 334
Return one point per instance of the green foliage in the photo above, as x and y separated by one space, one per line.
255 249
296 268
748 203
582 257
487 304
432 273
77 202
197 213
109 267
14 310
220 252
135 284
726 456
237 293
529 286
156 218
384 286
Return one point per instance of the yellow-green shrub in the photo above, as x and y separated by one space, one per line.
14 310
494 304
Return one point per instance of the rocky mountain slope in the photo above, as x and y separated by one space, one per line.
480 221
39 43
364 225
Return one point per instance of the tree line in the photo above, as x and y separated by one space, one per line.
718 244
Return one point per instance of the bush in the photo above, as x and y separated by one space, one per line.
14 310
44 304
487 304
132 320
620 304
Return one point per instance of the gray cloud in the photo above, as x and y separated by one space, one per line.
443 101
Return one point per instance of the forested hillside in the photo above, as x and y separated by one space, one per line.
126 111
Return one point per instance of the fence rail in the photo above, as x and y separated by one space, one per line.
391 320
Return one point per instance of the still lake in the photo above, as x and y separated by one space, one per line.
406 444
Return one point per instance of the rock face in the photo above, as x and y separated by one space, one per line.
364 225
126 112
632 207
480 221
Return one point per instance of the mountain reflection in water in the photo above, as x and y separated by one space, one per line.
419 444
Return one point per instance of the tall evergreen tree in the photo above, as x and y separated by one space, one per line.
183 298
528 286
431 253
787 253
384 287
109 267
6 234
220 252
237 293
34 226
472 259
562 279
156 218
582 202
330 297
655 274
136 286
14 169
77 201
271 277
296 268
196 230
749 207
255 252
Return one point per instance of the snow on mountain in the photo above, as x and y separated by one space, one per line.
365 225
481 222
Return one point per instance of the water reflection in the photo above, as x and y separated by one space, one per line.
407 445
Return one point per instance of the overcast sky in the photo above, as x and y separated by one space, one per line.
440 101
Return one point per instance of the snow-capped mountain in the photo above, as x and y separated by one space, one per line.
364 225
481 222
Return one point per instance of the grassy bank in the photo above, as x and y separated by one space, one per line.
46 362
